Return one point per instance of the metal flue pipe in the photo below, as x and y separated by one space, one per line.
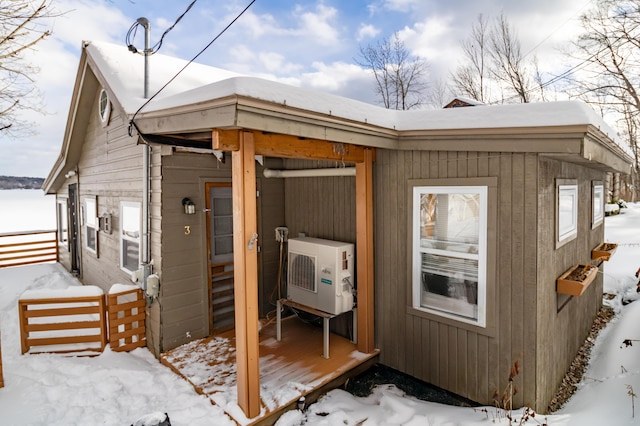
147 51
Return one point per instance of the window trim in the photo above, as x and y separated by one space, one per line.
104 112
62 233
124 237
485 323
565 188
91 228
597 218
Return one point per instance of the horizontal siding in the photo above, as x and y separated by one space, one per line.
111 179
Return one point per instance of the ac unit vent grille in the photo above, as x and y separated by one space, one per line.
302 272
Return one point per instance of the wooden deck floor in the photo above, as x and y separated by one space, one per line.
289 369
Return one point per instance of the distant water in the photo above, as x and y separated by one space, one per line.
26 210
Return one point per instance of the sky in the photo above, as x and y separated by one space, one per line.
307 43
117 388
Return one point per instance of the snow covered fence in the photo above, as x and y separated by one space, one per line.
126 318
63 321
75 319
27 248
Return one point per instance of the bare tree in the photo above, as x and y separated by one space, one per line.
438 94
493 63
507 59
609 49
399 76
471 79
608 70
21 28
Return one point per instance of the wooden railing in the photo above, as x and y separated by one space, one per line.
53 321
27 248
63 324
126 320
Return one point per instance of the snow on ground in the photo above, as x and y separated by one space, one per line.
111 389
134 388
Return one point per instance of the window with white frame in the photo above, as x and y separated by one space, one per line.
450 252
129 235
104 107
63 224
597 198
91 224
567 213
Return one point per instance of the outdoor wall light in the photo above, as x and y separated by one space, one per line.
189 206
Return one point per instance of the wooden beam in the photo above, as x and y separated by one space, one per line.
286 146
225 140
245 260
364 251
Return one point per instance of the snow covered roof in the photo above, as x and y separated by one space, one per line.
462 99
199 83
124 74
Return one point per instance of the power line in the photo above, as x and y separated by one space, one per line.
556 30
131 122
131 34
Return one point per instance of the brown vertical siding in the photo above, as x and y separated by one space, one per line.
523 310
270 216
560 334
459 359
185 298
320 207
184 286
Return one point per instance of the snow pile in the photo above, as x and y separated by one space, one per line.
110 389
134 388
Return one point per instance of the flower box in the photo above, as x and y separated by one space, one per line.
576 279
603 251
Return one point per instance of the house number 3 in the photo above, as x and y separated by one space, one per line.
187 230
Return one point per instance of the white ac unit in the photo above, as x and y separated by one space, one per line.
321 274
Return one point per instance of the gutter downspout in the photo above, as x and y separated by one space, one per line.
146 166
146 199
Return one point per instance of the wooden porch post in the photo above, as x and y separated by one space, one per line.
364 251
245 260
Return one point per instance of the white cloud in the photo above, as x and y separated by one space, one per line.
401 5
276 62
314 25
367 31
318 25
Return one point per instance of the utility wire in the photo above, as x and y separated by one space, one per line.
131 122
157 46
133 30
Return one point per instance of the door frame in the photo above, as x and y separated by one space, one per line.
207 189
74 230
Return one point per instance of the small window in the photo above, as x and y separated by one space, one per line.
91 224
104 106
63 224
567 213
130 236
450 251
597 212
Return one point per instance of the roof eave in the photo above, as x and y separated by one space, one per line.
62 164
